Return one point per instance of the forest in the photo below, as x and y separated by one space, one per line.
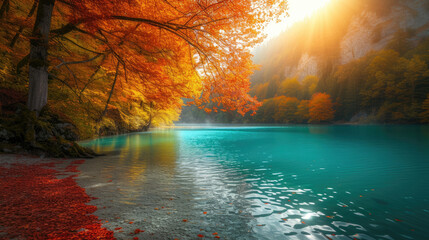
386 84
77 69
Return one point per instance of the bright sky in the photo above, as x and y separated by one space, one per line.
298 10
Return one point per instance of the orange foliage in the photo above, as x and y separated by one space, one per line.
168 50
321 108
141 58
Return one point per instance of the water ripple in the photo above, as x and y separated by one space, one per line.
263 183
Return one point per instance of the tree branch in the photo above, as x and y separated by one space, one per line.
111 92
21 28
77 62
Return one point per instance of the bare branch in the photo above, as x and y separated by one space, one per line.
77 62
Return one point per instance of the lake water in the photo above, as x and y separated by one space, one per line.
293 182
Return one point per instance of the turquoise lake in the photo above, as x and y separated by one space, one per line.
256 182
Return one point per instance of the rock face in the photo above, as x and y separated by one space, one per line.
307 66
369 31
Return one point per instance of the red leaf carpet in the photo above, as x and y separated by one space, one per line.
35 204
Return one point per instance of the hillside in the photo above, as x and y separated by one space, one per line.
366 55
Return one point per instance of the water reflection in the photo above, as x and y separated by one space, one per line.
322 182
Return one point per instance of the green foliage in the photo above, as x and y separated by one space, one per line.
303 112
309 85
400 42
286 110
291 87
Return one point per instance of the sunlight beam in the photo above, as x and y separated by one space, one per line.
298 10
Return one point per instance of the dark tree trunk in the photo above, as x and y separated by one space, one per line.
4 8
38 74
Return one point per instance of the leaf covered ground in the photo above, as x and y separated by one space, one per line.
43 201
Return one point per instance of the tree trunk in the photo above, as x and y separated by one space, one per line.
38 73
4 8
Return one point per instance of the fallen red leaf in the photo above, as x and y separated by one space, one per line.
204 212
137 231
35 204
200 235
217 237
215 233
118 228
184 220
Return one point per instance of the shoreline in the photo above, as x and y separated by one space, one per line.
42 198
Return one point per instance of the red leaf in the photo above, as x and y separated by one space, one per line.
63 204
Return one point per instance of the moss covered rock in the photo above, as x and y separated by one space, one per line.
44 134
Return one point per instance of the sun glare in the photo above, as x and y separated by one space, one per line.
298 10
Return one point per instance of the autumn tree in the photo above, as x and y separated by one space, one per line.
291 87
162 50
286 109
309 85
267 111
424 115
321 108
302 113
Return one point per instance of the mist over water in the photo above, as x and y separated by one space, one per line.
297 182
